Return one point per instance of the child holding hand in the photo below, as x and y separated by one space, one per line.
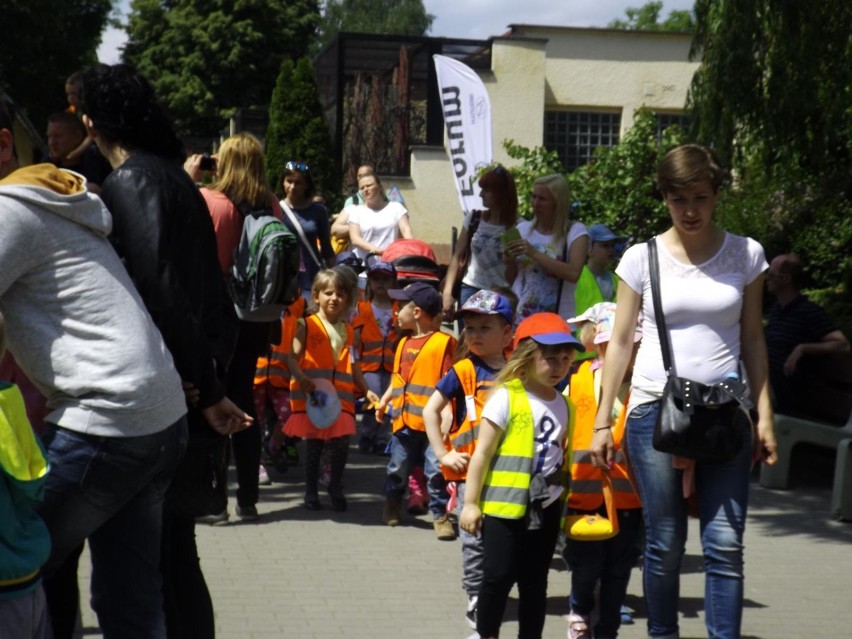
517 477
322 350
487 319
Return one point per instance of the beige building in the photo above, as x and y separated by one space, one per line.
569 89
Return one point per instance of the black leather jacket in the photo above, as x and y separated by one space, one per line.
163 232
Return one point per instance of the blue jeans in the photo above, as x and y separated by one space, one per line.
110 490
722 491
610 562
409 448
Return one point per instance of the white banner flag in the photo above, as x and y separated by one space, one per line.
467 117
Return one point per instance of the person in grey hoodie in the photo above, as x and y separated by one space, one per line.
80 331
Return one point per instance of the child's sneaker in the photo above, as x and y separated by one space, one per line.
291 453
263 477
626 615
470 615
391 512
444 528
415 505
578 626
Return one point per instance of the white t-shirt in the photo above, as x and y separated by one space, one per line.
702 303
379 228
485 267
551 427
536 289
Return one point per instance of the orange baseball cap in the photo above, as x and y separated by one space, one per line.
547 329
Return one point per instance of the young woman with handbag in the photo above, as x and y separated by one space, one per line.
711 289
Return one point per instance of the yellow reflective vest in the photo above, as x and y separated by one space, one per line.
505 490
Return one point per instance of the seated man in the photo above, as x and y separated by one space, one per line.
796 327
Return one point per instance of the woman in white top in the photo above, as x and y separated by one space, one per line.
711 284
376 223
545 264
484 251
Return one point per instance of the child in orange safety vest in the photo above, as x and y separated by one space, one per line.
488 321
610 561
376 336
419 363
271 392
322 350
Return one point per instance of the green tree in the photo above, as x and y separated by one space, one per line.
393 17
43 42
772 96
297 131
647 18
617 186
207 58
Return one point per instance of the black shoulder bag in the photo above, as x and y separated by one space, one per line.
697 421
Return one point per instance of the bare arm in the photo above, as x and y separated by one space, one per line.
405 227
295 355
340 226
433 418
618 354
753 353
361 384
453 272
834 343
486 447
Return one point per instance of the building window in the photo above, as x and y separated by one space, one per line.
665 120
575 135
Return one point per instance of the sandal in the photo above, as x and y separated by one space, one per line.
578 626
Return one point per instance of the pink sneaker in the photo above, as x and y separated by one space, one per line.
418 497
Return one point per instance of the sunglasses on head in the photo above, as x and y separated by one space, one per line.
297 166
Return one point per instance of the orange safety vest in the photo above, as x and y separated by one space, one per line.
273 368
317 362
586 485
463 438
377 350
409 396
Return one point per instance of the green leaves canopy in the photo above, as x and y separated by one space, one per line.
206 58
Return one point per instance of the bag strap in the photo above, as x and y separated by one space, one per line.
609 501
301 233
659 318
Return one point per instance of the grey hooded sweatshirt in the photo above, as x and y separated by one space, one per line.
75 322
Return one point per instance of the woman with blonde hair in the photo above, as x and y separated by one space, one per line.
240 180
545 263
240 186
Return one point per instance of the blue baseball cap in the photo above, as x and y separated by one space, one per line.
422 294
602 233
488 303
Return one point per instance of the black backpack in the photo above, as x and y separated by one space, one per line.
264 277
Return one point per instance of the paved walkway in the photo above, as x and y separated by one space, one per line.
312 575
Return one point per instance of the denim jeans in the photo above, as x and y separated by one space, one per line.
409 448
608 562
110 490
722 491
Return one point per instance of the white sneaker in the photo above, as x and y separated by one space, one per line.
470 615
263 477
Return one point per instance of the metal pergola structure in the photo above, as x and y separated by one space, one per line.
380 95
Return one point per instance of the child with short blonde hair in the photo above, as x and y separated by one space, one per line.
322 350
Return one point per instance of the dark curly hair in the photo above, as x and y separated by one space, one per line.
123 109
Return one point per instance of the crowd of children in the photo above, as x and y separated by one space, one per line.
476 431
